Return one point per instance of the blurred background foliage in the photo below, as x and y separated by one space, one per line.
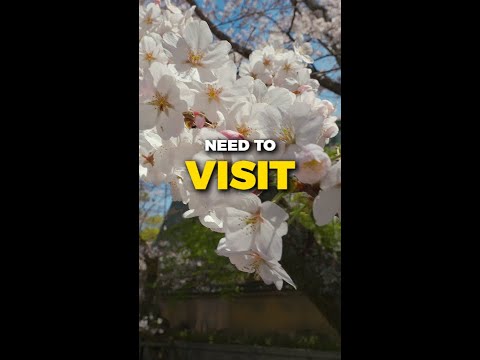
180 260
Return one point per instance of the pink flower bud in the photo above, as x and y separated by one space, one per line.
330 131
232 135
199 120
302 88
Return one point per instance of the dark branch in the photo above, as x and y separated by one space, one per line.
240 18
294 4
330 70
323 57
314 6
327 82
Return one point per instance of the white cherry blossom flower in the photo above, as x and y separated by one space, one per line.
300 126
150 18
266 56
251 120
258 228
151 51
256 70
278 97
268 269
220 95
195 53
170 161
303 49
149 144
287 65
312 164
301 82
329 130
162 102
327 204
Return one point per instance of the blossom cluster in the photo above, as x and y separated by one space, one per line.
323 23
191 90
151 325
320 20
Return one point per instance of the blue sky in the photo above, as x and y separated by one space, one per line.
160 199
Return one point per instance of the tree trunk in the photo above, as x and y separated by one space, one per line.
315 271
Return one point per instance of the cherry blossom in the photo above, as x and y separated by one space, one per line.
162 102
195 54
312 164
327 204
192 89
269 270
219 95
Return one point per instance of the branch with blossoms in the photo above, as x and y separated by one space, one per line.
323 80
190 92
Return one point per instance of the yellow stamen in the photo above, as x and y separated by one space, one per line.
244 130
213 93
195 58
149 57
254 265
149 159
160 102
287 67
257 261
254 219
314 165
287 136
148 20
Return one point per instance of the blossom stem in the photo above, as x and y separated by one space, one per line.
295 213
278 197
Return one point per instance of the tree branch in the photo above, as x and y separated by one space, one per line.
323 57
294 4
330 70
327 82
313 6
240 18
324 81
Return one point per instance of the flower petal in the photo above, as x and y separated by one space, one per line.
326 205
273 213
198 35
